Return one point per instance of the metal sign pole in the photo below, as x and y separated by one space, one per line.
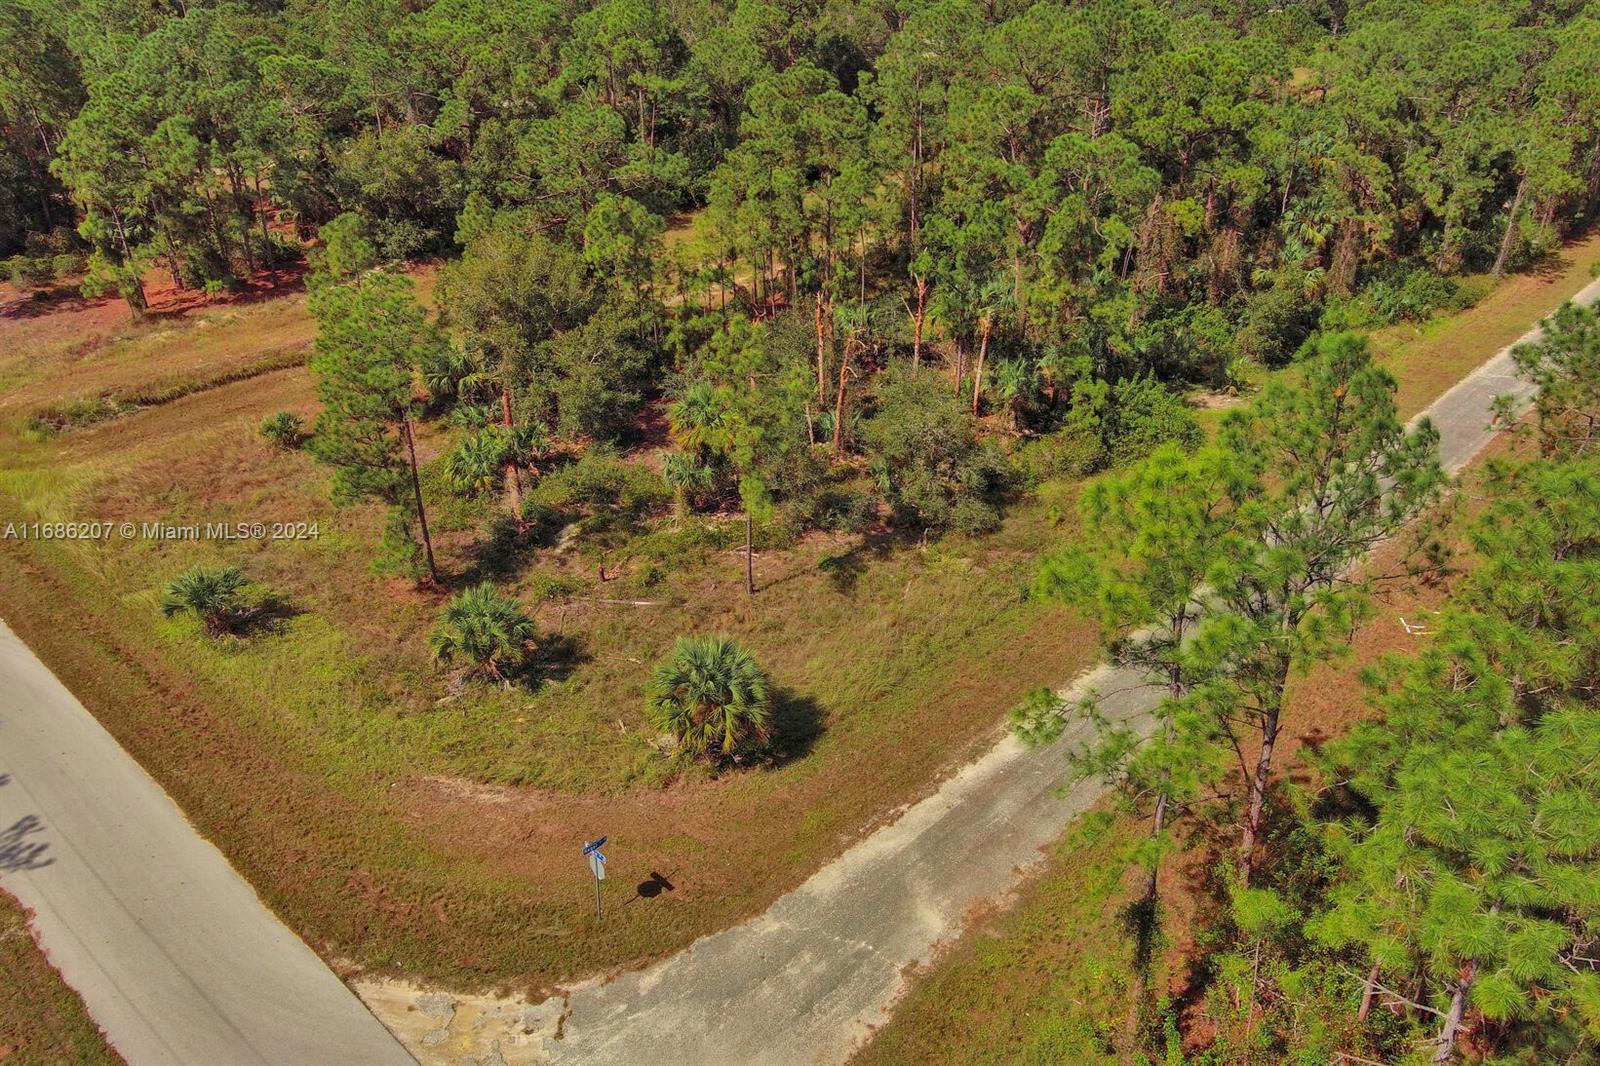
597 866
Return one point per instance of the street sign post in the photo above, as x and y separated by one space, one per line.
597 866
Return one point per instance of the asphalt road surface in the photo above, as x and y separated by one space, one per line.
809 979
176 958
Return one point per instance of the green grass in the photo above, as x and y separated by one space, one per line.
42 1021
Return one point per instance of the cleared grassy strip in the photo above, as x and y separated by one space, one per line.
85 411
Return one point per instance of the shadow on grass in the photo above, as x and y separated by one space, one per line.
796 724
558 655
655 885
51 299
501 556
268 617
844 570
1549 266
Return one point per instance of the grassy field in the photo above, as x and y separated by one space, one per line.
440 836
402 830
42 1021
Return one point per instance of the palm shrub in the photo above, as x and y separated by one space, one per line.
212 595
283 430
486 630
689 477
711 695
479 461
482 460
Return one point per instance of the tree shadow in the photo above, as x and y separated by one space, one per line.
1141 920
504 554
17 852
52 299
844 570
556 657
793 729
269 616
267 283
1549 266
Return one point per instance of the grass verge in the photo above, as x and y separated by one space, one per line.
42 1021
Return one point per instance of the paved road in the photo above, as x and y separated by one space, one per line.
807 980
172 951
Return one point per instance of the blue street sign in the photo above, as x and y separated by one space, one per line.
597 866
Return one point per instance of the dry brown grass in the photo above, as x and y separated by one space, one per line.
42 1021
1429 358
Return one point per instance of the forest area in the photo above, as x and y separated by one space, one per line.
1418 884
1068 210
684 387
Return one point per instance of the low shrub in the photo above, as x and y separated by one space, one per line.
606 498
1067 453
547 586
1110 425
487 631
214 595
283 430
1396 295
711 696
1143 415
843 510
67 264
28 271
1276 321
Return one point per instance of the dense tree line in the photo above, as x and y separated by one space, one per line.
1056 209
1120 177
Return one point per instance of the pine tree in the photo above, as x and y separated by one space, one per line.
1477 876
1246 562
372 335
1564 365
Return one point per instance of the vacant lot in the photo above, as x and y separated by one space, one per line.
440 834
402 827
